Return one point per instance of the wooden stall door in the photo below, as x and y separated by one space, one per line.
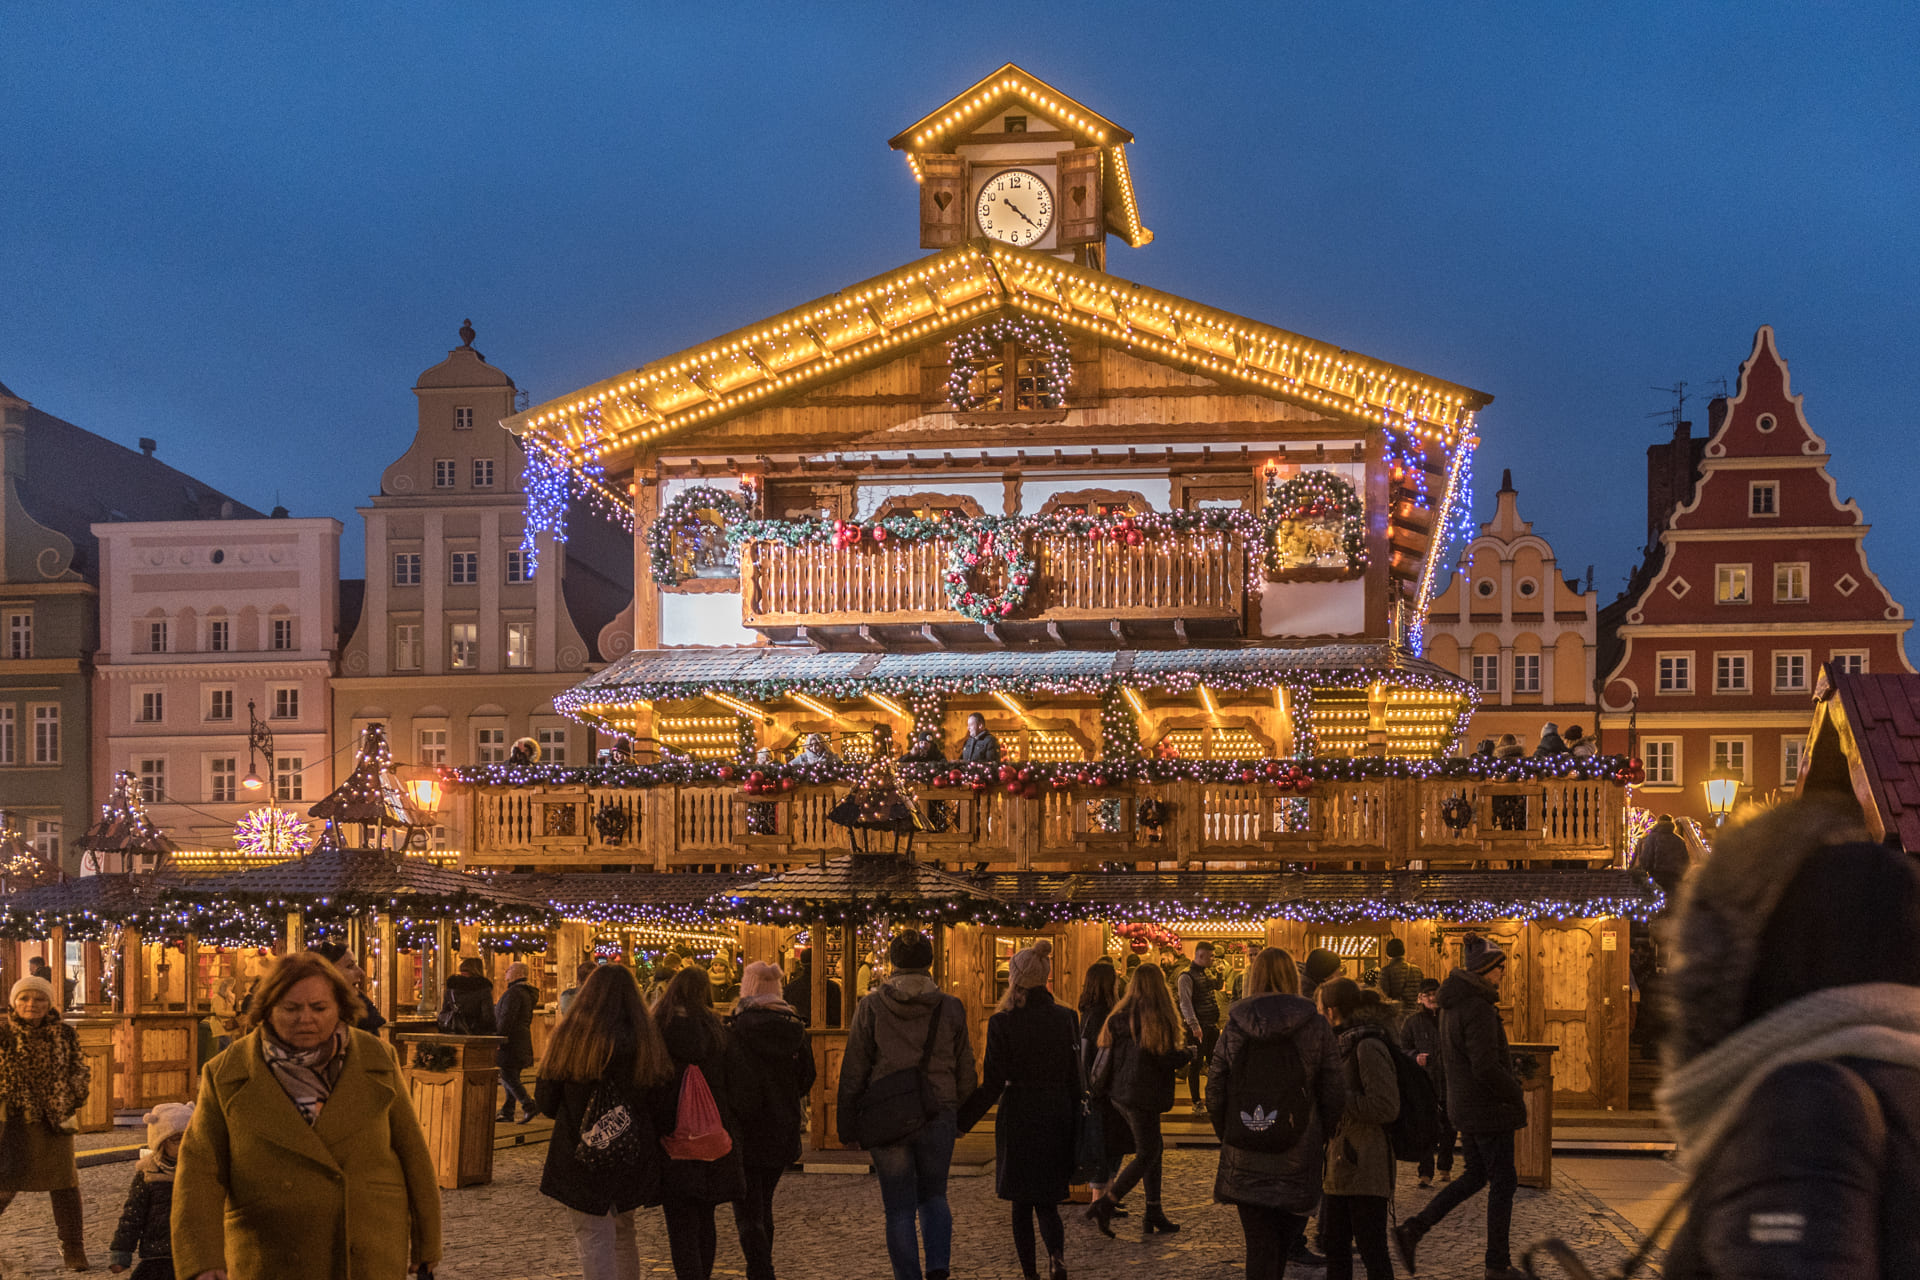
829 1049
1581 1010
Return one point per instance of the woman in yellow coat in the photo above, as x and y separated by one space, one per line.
304 1157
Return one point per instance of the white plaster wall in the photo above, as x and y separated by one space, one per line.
1314 608
707 619
990 494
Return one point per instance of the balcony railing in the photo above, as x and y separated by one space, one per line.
1382 822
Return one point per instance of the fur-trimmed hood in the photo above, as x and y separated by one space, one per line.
1724 908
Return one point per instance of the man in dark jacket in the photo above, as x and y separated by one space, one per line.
772 1046
1662 857
889 1034
1400 980
980 747
1197 996
513 1015
798 992
468 1007
1420 1037
1484 1100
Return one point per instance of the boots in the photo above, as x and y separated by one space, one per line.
1101 1212
1156 1221
1056 1267
67 1224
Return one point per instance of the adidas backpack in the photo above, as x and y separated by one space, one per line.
1269 1105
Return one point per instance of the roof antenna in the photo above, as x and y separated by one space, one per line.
1675 415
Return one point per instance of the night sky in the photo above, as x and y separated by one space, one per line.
244 231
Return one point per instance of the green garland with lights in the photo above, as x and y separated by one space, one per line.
682 517
1313 495
984 344
978 545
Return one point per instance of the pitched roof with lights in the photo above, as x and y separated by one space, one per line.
942 127
935 297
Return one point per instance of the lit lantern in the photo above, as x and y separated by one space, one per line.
1722 786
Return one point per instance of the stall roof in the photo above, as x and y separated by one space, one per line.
640 897
331 877
79 903
1866 737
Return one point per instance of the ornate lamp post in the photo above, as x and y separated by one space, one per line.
259 743
1722 785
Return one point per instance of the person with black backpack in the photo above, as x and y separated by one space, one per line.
1359 1176
704 1168
605 1081
1274 1088
780 1072
467 1009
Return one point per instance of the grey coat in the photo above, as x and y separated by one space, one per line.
1287 1180
889 1030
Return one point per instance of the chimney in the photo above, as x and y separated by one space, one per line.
1716 413
1506 480
148 444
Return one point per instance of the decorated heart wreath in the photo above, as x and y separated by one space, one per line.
977 545
1316 495
613 823
1457 813
985 343
682 516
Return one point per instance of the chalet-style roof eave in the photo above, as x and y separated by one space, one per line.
1866 738
927 300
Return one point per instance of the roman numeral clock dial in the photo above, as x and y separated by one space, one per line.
1015 206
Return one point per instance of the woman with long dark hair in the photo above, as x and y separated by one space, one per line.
1099 992
1140 1058
1032 1047
1359 1175
705 1169
606 1065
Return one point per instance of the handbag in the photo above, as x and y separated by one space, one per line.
898 1104
610 1134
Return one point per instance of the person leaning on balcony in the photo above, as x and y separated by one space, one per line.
44 1079
980 747
1551 743
817 751
304 1157
925 748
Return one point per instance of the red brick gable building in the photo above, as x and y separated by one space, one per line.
1757 581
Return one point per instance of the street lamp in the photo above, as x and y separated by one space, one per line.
1722 785
260 740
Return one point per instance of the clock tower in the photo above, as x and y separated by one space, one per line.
1013 159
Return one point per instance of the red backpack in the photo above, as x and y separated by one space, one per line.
697 1131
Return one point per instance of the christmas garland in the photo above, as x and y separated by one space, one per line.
980 543
983 344
682 517
1315 495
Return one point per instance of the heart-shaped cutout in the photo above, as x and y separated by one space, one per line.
941 199
1079 195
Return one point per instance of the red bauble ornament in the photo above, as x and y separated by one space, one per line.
788 784
1007 773
1246 775
879 534
1030 790
1135 537
756 777
1013 788
1137 945
726 773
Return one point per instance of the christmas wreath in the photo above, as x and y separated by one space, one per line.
612 823
1457 813
684 517
1299 512
978 544
981 345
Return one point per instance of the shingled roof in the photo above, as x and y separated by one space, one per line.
371 879
1866 739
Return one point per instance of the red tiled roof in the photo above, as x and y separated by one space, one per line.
1883 711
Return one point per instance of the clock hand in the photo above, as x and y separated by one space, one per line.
1023 215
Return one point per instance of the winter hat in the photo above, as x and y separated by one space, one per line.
910 949
1321 965
1429 985
1549 727
166 1120
761 981
1030 967
516 972
1395 948
32 983
1481 955
1664 822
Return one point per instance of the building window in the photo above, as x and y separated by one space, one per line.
1730 673
1792 752
1849 662
492 746
1526 673
287 781
1031 385
406 569
219 704
1660 757
517 566
283 633
406 646
157 637
1731 754
286 703
46 733
222 779
553 745
1676 673
443 473
1790 672
433 746
153 707
464 648
1763 498
1486 672
519 644
46 838
9 749
1731 584
153 780
483 473
219 635
463 418
465 568
1790 583
1485 588
20 635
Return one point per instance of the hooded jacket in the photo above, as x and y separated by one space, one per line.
468 1007
1290 1179
778 1073
1360 1155
890 1029
1483 1092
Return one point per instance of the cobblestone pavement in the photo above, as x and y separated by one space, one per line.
829 1228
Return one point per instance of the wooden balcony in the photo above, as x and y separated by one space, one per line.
1175 588
1385 824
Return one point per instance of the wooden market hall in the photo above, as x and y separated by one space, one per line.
1178 560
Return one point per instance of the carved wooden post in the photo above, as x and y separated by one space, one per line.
386 964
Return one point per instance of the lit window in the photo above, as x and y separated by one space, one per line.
464 646
19 635
286 704
1789 672
1763 498
463 418
1526 673
1792 752
1486 672
46 733
553 745
283 633
1790 583
9 750
153 780
443 473
287 781
1731 584
156 637
1731 754
406 569
492 746
1661 759
465 568
219 636
519 644
1849 662
153 707
222 779
483 473
1034 385
433 746
46 838
1730 673
406 646
1676 673
517 566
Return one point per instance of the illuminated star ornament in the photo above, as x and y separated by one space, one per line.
270 831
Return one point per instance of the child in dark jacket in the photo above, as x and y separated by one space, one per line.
146 1222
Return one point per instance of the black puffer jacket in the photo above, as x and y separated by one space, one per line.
697 1044
1483 1093
513 1016
779 1072
1287 1180
1136 1078
1811 1184
595 1191
468 1007
146 1229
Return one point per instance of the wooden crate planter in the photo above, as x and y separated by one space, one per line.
452 1080
154 1059
1533 1145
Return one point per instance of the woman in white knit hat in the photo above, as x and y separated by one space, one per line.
44 1079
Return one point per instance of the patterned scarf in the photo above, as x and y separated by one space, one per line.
43 1074
307 1075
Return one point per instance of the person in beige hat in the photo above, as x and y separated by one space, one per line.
145 1232
44 1079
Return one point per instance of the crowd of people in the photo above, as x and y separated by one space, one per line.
1792 1053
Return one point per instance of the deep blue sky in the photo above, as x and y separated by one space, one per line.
244 230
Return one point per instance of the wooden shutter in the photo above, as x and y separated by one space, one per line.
1080 202
943 201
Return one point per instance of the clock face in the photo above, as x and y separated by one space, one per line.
1015 206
